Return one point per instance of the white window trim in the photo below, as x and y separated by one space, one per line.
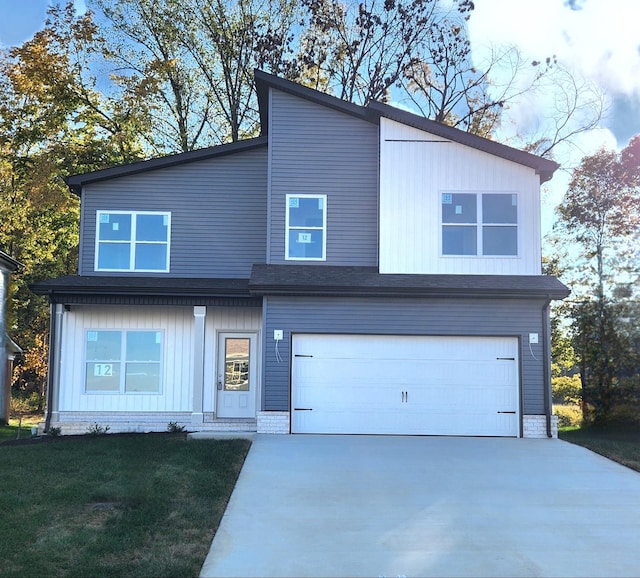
132 242
479 224
123 361
323 228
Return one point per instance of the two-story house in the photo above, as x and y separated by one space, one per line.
357 270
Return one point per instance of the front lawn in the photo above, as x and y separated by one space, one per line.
113 505
618 443
19 430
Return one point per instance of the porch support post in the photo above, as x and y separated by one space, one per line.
197 412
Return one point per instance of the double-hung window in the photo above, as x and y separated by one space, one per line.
306 227
480 224
132 241
123 361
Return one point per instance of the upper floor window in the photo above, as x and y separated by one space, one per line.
483 224
132 241
306 227
123 361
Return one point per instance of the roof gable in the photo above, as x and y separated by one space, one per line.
370 113
374 110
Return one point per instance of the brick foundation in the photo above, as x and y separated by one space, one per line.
535 426
273 422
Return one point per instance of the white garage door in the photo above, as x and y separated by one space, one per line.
374 384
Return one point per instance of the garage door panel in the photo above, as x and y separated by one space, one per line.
404 385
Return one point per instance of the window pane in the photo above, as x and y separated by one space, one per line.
499 240
143 377
305 243
152 227
114 256
151 256
459 241
102 377
114 227
459 208
306 212
144 345
499 208
236 364
104 345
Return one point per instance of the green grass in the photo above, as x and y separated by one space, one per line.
618 443
113 505
12 431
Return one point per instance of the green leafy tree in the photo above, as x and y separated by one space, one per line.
600 213
53 122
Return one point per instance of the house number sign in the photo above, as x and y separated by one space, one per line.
103 370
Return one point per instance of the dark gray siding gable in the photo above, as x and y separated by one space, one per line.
218 213
318 150
397 316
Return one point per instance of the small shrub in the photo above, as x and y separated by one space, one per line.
98 430
54 431
568 415
174 427
27 404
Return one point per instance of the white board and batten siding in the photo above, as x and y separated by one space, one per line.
416 167
405 385
177 327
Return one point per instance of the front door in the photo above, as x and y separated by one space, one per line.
236 379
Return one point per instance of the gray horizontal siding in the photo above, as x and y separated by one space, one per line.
218 213
317 150
376 316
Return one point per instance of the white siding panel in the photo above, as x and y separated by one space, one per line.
415 168
177 326
177 323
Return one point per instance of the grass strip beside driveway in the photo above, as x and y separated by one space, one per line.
113 505
618 443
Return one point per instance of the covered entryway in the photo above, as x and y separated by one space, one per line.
381 384
237 373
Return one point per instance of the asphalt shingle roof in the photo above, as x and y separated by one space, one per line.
366 281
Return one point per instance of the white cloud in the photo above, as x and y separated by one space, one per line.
598 41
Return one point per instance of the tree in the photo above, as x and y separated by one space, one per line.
600 213
53 122
365 48
198 57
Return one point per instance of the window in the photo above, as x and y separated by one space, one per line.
132 241
123 361
306 225
484 224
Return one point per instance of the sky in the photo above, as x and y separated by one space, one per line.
596 39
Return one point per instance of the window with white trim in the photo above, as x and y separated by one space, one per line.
480 224
123 361
132 241
306 227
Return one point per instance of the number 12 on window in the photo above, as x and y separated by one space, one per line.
103 370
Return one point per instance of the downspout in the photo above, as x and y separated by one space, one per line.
53 377
546 340
52 345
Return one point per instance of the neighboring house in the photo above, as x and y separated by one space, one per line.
352 270
8 349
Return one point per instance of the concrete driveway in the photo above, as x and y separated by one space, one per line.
428 506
